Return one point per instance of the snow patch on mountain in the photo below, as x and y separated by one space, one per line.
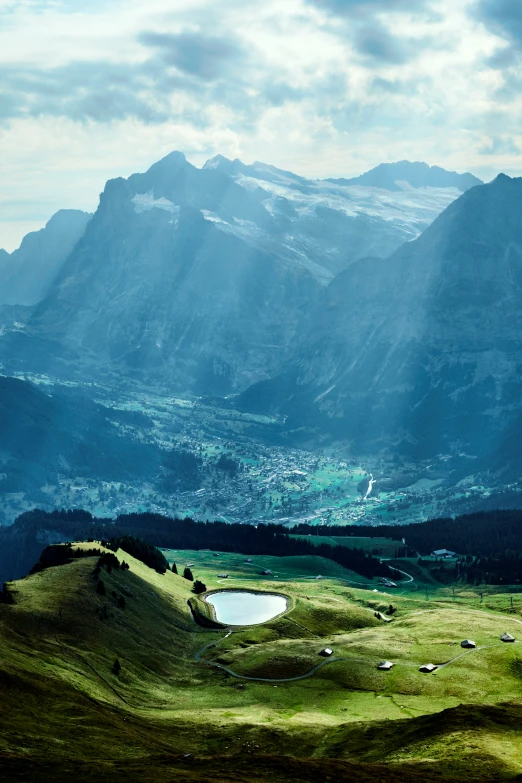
412 208
143 202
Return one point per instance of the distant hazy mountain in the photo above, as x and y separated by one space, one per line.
27 273
421 352
398 176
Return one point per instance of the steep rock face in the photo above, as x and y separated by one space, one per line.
423 352
398 176
27 273
156 288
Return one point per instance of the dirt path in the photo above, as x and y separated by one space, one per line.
334 659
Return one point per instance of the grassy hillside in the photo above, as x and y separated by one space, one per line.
66 714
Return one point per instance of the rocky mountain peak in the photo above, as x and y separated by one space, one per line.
403 174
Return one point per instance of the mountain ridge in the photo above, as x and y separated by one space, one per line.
200 278
27 273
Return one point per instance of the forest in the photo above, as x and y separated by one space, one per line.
22 542
489 543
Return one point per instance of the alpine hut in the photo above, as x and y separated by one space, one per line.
468 643
428 668
326 652
385 666
506 637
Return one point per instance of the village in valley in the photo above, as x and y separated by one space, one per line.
236 467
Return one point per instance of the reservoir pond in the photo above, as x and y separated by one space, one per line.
241 607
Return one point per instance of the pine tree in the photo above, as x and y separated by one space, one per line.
116 667
198 587
187 573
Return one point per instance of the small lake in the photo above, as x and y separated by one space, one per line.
241 607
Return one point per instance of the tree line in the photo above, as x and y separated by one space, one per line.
482 534
21 543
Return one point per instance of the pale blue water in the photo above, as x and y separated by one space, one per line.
239 607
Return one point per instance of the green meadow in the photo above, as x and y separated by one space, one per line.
181 710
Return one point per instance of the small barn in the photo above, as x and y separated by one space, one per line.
428 668
385 666
266 572
443 553
326 652
222 576
506 637
468 643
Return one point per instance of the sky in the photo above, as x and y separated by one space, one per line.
94 89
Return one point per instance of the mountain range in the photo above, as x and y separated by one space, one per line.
250 281
201 279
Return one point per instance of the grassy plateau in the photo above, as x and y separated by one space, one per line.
216 704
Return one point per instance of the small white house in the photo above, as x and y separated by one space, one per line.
385 666
428 668
443 553
506 637
326 652
468 643
222 576
266 572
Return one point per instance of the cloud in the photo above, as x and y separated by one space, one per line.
504 145
81 91
502 17
199 55
354 8
379 45
376 31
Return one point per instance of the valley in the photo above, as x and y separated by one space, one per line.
244 467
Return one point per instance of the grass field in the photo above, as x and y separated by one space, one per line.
63 706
